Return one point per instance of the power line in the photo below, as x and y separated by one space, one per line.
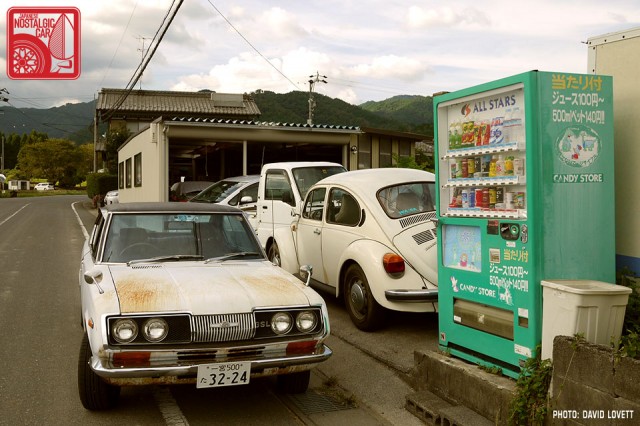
252 46
157 38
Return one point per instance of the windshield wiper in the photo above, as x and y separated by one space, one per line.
233 256
176 257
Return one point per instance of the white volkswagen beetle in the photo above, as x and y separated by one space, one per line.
369 236
183 293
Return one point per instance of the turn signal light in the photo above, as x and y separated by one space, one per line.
393 264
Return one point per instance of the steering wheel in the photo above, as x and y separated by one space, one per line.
139 247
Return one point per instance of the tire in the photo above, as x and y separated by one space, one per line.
28 55
365 312
274 254
294 382
95 394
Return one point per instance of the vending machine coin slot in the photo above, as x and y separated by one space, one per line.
510 231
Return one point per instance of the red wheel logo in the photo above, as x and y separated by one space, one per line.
43 43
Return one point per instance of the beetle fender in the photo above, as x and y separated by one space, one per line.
288 257
368 254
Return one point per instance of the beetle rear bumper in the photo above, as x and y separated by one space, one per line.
422 295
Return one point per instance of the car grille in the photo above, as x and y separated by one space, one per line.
424 236
222 328
412 220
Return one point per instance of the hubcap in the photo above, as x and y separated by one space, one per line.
357 296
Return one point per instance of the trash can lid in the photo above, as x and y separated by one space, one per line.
586 287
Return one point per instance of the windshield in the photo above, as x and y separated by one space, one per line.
306 177
175 237
406 199
217 192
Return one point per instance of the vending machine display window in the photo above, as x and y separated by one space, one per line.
462 248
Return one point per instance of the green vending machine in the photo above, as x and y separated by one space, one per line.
526 193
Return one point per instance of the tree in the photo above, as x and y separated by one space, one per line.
53 159
115 138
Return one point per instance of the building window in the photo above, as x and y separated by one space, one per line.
404 149
137 169
121 175
364 154
385 153
127 172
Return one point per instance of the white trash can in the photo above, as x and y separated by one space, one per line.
594 309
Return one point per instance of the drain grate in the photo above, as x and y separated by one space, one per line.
312 402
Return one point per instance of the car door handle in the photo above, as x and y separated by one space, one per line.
316 231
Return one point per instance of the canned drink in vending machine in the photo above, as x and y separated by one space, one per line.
492 198
472 198
471 167
518 166
518 200
508 201
465 198
478 197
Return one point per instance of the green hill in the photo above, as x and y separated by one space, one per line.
400 113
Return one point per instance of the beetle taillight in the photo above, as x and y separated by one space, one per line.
393 264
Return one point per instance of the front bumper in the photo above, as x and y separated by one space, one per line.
415 296
175 373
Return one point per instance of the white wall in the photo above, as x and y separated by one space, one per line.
151 144
618 55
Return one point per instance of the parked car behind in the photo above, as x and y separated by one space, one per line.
178 293
183 191
44 186
370 238
238 191
111 197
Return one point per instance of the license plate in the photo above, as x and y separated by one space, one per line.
223 374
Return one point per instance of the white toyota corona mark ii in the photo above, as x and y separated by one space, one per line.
178 293
370 237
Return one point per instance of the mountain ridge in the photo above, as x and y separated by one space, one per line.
403 113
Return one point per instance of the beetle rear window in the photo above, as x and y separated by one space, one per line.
407 199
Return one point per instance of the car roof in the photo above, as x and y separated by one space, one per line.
297 164
248 178
378 178
170 207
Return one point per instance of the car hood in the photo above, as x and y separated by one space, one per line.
226 287
418 246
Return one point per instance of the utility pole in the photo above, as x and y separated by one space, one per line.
313 79
2 179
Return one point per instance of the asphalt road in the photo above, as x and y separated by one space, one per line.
40 332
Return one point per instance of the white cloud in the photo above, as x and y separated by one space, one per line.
459 17
370 50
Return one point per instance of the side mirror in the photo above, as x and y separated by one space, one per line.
305 273
246 199
93 277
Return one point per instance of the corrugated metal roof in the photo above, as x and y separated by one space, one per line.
260 123
158 103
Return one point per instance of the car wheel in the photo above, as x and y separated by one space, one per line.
95 394
294 382
365 312
274 254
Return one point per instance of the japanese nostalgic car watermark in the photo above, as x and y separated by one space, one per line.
43 43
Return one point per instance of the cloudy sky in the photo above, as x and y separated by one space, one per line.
367 49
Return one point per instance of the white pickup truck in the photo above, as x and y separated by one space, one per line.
281 191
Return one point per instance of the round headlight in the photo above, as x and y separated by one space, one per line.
155 330
306 321
281 323
124 330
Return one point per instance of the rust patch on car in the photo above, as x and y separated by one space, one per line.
138 293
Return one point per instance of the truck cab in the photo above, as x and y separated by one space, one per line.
281 190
